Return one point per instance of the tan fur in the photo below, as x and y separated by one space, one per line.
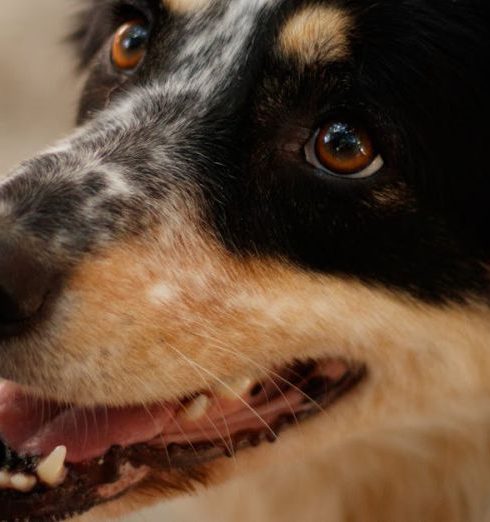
185 6
427 470
315 34
412 444
392 199
218 308
159 316
430 471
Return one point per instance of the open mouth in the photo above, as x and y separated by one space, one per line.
58 460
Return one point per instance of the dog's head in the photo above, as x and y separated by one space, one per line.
271 208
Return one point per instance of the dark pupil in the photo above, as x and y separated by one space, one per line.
343 141
135 38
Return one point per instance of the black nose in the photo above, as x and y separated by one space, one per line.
24 286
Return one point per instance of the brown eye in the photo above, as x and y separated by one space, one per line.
129 45
344 148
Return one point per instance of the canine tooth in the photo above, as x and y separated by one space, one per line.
234 388
51 470
4 479
22 482
196 409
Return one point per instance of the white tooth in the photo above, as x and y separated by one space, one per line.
195 409
235 388
22 482
51 470
4 479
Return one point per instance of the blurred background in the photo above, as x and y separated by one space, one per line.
38 83
39 88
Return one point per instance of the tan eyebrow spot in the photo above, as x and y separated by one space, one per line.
316 34
185 6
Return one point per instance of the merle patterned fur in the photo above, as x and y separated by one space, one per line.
212 108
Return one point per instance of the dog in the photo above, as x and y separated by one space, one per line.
257 270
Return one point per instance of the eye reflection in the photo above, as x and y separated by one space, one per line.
344 148
129 45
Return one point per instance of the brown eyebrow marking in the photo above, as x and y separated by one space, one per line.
316 34
185 6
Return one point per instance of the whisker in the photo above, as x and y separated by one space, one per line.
164 405
182 432
85 422
106 417
207 437
225 385
148 412
228 448
42 409
96 424
231 449
273 382
274 374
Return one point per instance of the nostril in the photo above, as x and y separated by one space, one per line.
24 285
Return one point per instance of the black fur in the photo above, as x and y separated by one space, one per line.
416 75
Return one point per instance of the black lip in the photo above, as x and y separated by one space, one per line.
79 492
14 328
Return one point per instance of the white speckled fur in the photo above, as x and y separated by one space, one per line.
172 304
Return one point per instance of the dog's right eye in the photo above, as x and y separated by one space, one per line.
343 148
129 45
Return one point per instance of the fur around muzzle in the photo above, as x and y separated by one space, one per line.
181 239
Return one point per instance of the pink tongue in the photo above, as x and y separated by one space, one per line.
31 427
21 416
90 433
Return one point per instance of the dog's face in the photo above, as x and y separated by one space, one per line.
271 208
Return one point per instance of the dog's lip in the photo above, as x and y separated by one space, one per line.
117 469
37 428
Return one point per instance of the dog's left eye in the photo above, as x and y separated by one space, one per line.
344 148
129 45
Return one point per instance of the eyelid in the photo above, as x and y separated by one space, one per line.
376 165
141 7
